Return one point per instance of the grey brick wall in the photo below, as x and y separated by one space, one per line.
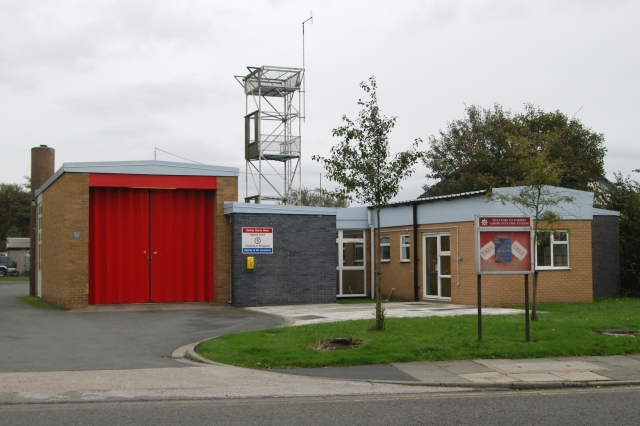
605 241
302 268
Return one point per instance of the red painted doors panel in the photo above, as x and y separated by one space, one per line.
118 245
181 230
150 245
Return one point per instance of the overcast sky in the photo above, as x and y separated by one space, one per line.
111 80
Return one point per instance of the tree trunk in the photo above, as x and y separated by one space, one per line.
534 306
379 307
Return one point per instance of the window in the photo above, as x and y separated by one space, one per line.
552 250
358 252
385 248
405 248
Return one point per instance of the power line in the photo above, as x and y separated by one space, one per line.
167 152
193 161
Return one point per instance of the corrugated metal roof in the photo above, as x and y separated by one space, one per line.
438 197
142 167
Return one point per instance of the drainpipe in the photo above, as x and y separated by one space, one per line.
415 252
373 260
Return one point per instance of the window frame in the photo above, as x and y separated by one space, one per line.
553 243
405 246
386 244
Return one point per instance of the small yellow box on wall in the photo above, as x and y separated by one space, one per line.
249 262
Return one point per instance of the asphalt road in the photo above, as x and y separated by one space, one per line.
34 339
613 406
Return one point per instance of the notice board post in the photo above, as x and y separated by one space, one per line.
504 246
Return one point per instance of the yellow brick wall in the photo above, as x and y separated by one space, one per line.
65 259
573 285
227 190
65 267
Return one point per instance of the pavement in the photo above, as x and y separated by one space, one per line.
496 373
130 364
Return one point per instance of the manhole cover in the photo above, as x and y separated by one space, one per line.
617 332
309 317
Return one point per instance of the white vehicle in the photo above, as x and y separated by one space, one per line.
8 267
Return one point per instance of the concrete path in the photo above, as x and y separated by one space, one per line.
311 314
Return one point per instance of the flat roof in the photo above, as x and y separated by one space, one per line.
142 167
231 207
18 243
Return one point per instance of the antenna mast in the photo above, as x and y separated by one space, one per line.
304 76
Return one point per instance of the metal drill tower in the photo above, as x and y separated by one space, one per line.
272 133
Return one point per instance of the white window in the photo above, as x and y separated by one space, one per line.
358 252
405 248
552 251
385 248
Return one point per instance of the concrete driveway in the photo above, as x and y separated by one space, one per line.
109 338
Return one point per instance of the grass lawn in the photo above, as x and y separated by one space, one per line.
22 278
36 302
564 330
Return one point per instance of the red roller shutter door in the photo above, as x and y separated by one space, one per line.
150 246
181 246
119 245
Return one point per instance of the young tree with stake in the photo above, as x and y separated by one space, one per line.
538 197
365 170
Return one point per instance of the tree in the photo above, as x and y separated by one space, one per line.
477 152
14 211
364 168
538 198
318 198
623 196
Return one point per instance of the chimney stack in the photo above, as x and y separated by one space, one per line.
42 168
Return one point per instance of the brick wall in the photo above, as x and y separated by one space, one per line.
606 256
227 190
573 285
65 259
302 268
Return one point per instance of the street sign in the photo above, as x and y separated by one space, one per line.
504 244
257 240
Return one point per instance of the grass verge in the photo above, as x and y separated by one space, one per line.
563 330
22 278
36 302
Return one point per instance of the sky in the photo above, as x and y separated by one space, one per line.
112 80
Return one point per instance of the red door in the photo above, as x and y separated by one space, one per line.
150 246
181 246
119 245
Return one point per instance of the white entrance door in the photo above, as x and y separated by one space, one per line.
436 265
350 270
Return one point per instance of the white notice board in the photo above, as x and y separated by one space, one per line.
257 240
